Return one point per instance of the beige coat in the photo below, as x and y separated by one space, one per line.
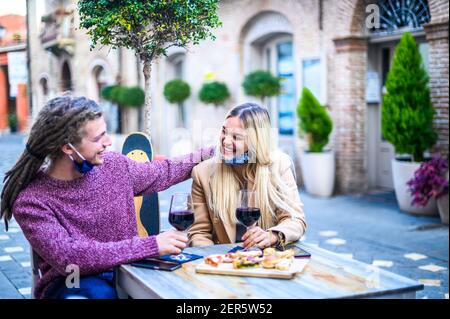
209 230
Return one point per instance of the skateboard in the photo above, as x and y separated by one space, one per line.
138 147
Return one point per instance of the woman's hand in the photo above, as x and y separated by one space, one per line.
256 236
171 242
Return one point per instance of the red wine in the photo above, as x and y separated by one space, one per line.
182 219
248 216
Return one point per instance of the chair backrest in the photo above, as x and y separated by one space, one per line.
137 146
36 272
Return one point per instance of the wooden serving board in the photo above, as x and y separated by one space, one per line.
227 269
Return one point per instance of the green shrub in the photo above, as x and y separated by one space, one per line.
12 120
407 113
124 96
106 92
314 121
214 92
176 91
131 96
261 84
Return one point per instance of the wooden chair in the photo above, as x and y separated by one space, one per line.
35 271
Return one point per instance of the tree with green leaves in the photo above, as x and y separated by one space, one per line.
149 27
314 122
131 97
407 113
261 84
176 91
214 92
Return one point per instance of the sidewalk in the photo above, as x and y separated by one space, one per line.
369 228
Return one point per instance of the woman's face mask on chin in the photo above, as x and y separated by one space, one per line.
236 160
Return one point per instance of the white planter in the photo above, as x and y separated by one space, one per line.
402 172
442 203
318 171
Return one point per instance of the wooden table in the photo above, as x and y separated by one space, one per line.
327 275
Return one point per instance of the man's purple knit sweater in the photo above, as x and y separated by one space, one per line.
90 221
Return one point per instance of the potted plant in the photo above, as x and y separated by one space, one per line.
407 120
12 121
177 91
128 99
132 97
317 164
261 84
431 181
214 92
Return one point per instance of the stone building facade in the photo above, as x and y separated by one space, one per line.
322 44
13 73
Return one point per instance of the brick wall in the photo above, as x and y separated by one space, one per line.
437 37
438 10
349 113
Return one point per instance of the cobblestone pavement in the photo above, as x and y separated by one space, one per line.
369 228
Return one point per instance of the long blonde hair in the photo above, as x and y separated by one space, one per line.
262 170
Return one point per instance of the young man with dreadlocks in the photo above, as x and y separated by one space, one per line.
77 208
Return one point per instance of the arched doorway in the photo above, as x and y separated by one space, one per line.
66 78
100 81
99 77
267 44
43 91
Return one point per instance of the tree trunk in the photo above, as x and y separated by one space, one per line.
141 109
148 98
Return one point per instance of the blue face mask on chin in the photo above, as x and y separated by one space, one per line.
83 167
237 160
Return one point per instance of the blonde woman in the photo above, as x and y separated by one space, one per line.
246 159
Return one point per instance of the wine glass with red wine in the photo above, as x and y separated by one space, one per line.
247 211
181 214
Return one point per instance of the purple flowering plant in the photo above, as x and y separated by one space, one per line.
429 181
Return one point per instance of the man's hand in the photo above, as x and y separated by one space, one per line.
256 236
171 242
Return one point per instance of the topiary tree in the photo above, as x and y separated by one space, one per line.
407 113
149 27
131 97
177 91
261 84
116 93
214 92
106 92
314 121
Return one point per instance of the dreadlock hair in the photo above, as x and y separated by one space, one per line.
60 122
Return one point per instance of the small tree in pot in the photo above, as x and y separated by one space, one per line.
126 98
149 28
133 97
317 165
12 122
407 118
177 91
261 84
214 92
